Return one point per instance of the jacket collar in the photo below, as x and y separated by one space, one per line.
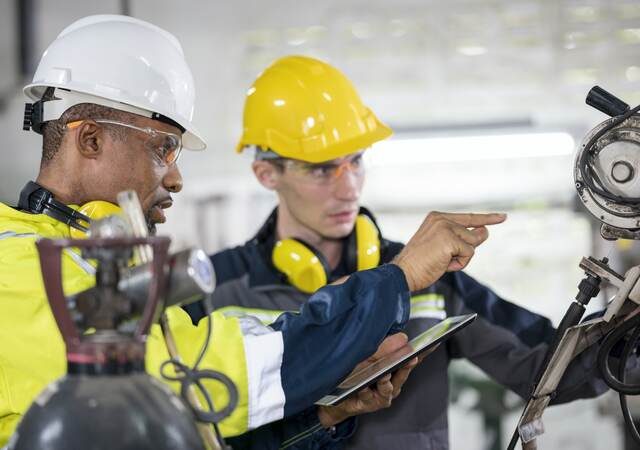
35 223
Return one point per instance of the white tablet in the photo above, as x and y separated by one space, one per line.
368 375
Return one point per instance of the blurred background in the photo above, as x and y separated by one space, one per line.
486 98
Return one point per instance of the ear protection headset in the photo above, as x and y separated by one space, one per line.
306 268
37 200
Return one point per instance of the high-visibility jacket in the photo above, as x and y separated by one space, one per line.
277 373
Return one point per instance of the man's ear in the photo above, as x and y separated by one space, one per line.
266 173
90 139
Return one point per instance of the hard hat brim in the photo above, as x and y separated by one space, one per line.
336 150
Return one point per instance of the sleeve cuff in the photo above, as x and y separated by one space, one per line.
404 296
315 436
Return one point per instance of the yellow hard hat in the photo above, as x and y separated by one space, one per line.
305 109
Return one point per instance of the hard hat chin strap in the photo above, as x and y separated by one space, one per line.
38 113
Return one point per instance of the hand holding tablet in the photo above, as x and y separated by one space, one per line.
370 373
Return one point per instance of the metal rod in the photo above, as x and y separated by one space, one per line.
130 204
205 430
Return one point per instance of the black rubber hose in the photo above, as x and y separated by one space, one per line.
626 413
608 343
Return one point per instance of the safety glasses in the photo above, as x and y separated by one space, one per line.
166 147
325 173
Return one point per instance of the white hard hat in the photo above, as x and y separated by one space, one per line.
120 62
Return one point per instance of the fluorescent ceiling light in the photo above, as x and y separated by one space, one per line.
472 148
472 50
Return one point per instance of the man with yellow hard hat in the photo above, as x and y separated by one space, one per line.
113 100
309 129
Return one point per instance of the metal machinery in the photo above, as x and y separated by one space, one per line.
607 178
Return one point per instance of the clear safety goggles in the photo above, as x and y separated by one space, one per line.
165 146
327 172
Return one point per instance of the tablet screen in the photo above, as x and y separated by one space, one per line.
369 374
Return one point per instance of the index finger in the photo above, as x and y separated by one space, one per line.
475 219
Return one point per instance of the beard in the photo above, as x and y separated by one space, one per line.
151 225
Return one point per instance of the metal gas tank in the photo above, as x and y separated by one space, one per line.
114 412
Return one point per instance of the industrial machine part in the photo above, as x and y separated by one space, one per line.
190 278
607 178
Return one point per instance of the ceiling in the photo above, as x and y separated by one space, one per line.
422 65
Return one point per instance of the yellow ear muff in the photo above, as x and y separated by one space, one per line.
367 243
94 210
305 270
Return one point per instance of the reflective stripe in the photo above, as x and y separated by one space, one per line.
251 326
263 355
10 234
439 304
428 299
428 306
427 313
266 316
79 260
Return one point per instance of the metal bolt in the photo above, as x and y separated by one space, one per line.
622 171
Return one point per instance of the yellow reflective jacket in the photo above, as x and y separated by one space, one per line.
32 351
